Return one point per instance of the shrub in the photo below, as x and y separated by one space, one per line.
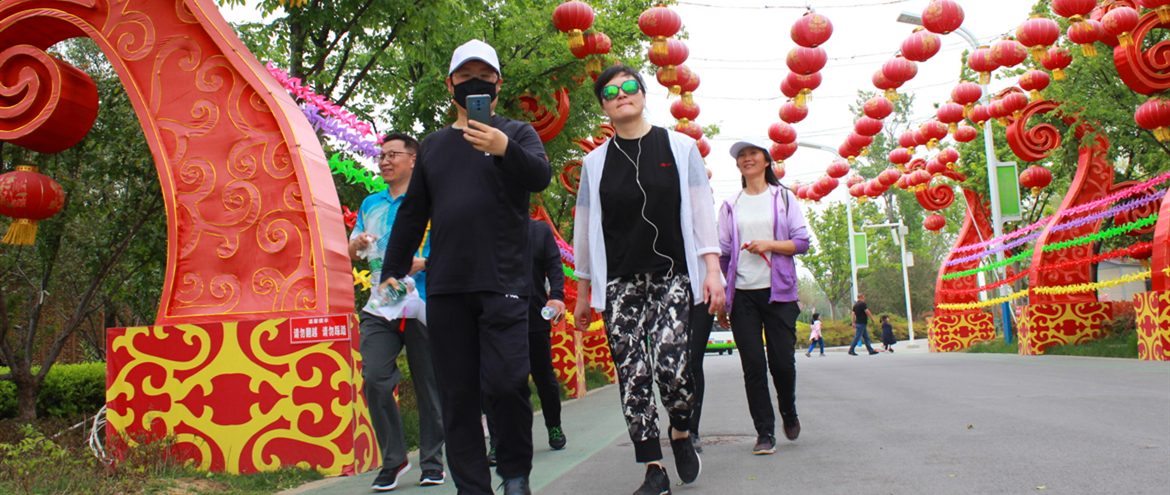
68 389
1124 319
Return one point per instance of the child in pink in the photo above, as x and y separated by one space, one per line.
814 337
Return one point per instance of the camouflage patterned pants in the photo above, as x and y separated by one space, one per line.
647 316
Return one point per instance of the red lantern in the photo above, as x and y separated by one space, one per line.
902 183
826 185
878 186
682 111
979 114
1034 81
28 197
900 156
691 129
704 150
1035 178
1154 115
1038 33
878 107
935 167
781 152
858 141
882 83
779 169
916 164
965 134
889 177
948 158
573 18
782 133
811 30
899 70
1085 33
806 61
580 51
942 16
789 91
1120 22
951 114
919 179
980 61
837 169
871 190
867 126
1008 53
804 85
934 131
1162 7
966 94
676 54
857 190
848 152
688 85
1069 8
659 23
997 110
1014 103
682 76
935 222
596 44
1057 60
921 45
791 113
855 180
908 141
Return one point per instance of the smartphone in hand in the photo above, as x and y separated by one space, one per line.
479 109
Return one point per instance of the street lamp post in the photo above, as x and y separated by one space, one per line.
900 231
992 175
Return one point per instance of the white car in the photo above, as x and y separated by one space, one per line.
720 341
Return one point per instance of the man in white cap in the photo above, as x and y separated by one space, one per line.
472 182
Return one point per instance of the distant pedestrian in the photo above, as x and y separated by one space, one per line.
814 336
761 230
861 316
888 339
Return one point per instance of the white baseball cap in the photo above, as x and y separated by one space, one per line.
751 142
474 50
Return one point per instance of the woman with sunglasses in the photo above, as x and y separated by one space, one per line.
647 252
760 230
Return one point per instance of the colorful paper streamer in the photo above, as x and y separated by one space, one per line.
1059 289
1117 253
356 174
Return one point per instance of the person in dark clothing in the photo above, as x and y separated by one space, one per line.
472 182
861 317
702 321
888 339
546 265
646 253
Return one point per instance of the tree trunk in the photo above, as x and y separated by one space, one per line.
27 389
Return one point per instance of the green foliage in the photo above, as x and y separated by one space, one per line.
994 346
1124 345
68 389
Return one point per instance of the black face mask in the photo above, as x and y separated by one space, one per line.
473 86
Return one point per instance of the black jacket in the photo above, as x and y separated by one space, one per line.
546 263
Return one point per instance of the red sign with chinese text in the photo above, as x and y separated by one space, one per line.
314 329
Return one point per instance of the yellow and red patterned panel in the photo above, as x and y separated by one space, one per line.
241 397
596 353
566 359
955 332
1045 325
1153 325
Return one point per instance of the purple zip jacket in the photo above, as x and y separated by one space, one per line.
788 225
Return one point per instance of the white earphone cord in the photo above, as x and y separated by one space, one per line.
645 199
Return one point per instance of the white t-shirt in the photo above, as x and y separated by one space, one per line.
754 219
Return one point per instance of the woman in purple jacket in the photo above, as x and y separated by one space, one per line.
760 230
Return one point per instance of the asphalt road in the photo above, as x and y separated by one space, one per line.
903 423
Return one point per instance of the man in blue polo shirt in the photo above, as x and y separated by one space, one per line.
386 329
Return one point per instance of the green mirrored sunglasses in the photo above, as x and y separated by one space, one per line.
610 92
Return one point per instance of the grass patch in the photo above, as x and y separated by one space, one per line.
35 459
1123 345
994 346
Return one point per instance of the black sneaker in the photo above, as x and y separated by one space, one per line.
388 477
657 482
431 477
686 460
492 457
556 438
765 444
872 352
697 443
851 353
517 486
791 426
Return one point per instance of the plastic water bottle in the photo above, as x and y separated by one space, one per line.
547 312
388 295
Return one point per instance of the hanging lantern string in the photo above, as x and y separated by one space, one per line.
1105 234
1064 226
1124 193
1117 253
1058 289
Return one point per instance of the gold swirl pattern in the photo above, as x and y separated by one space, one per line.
1045 325
595 351
239 397
958 331
565 359
1152 315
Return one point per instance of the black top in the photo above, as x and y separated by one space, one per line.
629 238
478 208
546 263
858 311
